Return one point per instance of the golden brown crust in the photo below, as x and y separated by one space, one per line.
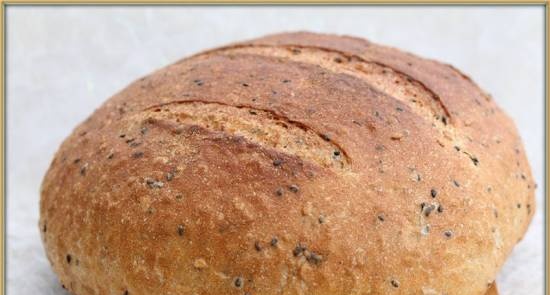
493 290
291 164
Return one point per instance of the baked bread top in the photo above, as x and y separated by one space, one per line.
297 163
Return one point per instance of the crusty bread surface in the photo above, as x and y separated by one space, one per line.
293 164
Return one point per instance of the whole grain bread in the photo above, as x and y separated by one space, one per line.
292 164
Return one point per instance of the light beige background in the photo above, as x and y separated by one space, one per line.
63 62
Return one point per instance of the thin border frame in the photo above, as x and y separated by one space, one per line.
3 10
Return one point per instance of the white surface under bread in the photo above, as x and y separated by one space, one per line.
63 62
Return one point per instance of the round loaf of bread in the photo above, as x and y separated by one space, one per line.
294 164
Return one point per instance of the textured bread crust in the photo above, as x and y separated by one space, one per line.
292 164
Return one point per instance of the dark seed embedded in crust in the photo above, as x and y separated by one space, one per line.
277 162
181 230
456 183
314 258
299 249
69 258
321 219
257 246
137 155
448 233
294 188
425 230
83 169
395 283
274 241
135 144
280 192
427 209
238 282
433 192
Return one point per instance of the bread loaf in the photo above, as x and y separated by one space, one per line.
293 164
